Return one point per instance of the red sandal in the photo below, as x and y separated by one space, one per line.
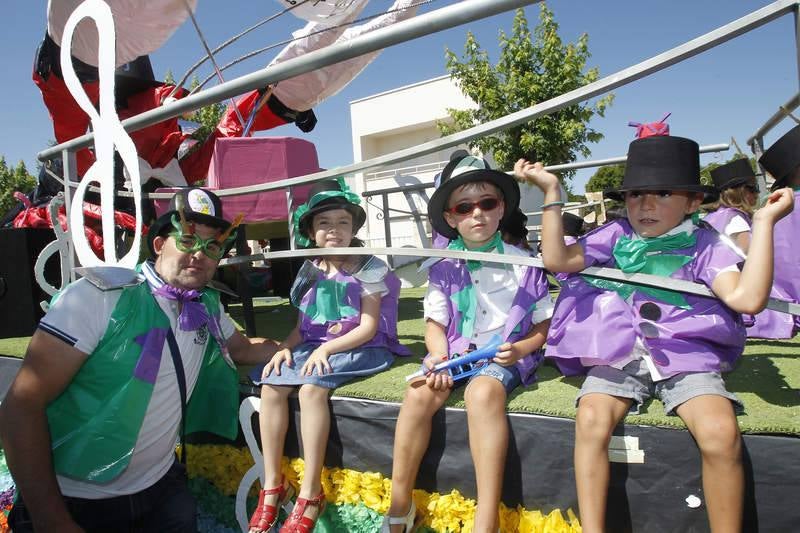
297 523
265 516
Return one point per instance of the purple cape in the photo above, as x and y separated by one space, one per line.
767 324
593 326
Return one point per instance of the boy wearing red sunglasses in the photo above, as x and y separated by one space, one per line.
468 303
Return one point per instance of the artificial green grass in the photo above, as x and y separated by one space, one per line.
14 347
767 379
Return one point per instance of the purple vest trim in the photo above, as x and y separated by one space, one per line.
720 218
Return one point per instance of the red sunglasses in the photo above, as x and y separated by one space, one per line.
465 208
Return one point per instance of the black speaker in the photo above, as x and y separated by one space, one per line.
19 293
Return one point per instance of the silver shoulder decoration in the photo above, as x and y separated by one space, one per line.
108 278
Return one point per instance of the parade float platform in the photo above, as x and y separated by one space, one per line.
655 471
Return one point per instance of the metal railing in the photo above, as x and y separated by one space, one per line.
409 189
444 18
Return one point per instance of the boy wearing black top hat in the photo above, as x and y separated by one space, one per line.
467 304
635 342
736 183
782 161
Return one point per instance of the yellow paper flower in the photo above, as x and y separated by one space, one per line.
225 465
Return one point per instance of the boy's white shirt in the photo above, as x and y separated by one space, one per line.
496 286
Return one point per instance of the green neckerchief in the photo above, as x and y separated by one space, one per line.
473 265
646 256
328 304
465 300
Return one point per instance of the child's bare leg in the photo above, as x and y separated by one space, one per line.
411 438
273 422
315 424
598 415
712 422
488 442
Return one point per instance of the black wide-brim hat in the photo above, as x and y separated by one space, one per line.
327 195
662 163
783 157
737 172
199 205
462 169
572 223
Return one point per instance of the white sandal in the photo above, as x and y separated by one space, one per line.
407 521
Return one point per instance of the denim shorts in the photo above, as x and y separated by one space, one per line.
507 375
635 382
345 366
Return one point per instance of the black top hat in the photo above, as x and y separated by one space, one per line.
129 79
737 172
133 78
573 224
663 163
782 157
199 205
326 195
462 169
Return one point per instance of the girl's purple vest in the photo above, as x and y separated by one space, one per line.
767 324
385 337
452 275
600 327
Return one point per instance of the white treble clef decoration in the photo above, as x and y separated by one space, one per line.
59 246
108 134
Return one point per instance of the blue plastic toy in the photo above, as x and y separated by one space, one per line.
464 365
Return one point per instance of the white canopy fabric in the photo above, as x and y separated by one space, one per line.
307 90
141 26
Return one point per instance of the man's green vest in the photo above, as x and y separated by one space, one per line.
95 422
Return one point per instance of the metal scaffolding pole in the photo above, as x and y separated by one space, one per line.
775 119
441 19
620 78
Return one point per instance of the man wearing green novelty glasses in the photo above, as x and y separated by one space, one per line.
116 372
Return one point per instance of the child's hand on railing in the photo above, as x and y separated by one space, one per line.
777 205
535 174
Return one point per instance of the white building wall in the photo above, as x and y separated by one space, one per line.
399 119
392 121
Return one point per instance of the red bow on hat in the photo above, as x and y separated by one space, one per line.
651 128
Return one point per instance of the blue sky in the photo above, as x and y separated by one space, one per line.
728 91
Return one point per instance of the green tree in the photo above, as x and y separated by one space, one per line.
11 180
532 68
608 177
208 117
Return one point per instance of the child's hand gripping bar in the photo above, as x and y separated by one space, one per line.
487 351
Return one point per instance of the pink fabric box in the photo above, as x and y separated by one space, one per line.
241 161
